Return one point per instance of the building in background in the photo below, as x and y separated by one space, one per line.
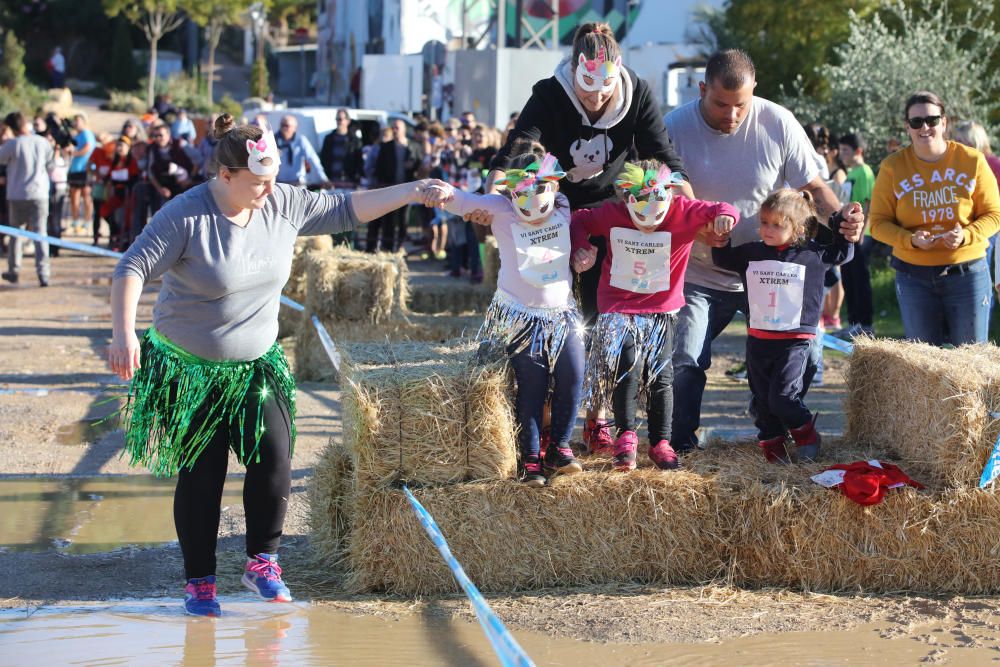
427 55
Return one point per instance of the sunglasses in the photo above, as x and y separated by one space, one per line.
918 122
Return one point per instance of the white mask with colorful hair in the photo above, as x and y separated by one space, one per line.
531 192
599 74
264 158
648 193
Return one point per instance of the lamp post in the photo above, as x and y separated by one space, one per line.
258 16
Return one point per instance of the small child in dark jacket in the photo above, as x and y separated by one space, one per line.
783 277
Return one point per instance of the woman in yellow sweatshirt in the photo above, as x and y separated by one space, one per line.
936 203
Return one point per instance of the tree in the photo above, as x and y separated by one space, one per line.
12 64
156 18
122 74
787 41
214 16
888 57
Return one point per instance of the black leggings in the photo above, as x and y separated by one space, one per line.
532 374
268 483
660 400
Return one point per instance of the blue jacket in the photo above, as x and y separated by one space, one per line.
295 153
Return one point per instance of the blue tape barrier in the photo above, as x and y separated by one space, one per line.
72 245
506 647
837 344
992 469
104 252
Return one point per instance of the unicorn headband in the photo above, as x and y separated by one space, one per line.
518 180
264 158
642 183
599 74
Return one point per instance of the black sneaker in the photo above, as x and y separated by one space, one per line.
560 460
531 472
9 276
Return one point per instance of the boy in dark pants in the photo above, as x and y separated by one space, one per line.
783 277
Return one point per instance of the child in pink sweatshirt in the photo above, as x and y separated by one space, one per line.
649 234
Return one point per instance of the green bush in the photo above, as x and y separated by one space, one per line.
123 100
122 72
228 105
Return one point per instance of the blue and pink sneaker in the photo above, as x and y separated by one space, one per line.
263 576
199 599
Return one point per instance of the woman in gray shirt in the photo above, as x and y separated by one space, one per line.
209 376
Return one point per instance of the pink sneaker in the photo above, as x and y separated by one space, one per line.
663 456
625 446
597 438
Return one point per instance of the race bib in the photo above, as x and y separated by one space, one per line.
640 261
119 175
542 252
775 292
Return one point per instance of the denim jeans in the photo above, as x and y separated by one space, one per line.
944 304
706 314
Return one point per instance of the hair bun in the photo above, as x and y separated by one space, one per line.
223 124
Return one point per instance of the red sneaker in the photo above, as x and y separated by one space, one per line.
597 437
663 456
625 446
774 449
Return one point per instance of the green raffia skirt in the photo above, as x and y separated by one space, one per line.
178 401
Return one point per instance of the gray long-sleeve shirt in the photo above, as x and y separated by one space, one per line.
222 282
29 158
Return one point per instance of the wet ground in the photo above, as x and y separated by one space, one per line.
91 567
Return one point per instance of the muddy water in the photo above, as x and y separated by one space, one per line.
154 632
90 515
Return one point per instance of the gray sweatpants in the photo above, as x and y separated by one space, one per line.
31 214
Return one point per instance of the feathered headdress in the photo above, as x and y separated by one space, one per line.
516 180
641 183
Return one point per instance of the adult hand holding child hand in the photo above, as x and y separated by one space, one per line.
435 193
853 224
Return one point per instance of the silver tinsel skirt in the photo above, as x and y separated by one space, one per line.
511 328
650 331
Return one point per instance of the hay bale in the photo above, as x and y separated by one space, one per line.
491 263
313 364
295 289
331 504
584 529
729 516
455 298
422 413
346 285
930 405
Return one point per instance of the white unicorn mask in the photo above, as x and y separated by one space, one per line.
599 74
263 158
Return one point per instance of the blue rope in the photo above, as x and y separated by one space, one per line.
504 644
835 343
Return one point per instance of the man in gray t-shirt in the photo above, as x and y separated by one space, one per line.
28 158
737 148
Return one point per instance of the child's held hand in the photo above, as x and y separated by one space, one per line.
480 217
708 236
436 195
724 224
584 259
